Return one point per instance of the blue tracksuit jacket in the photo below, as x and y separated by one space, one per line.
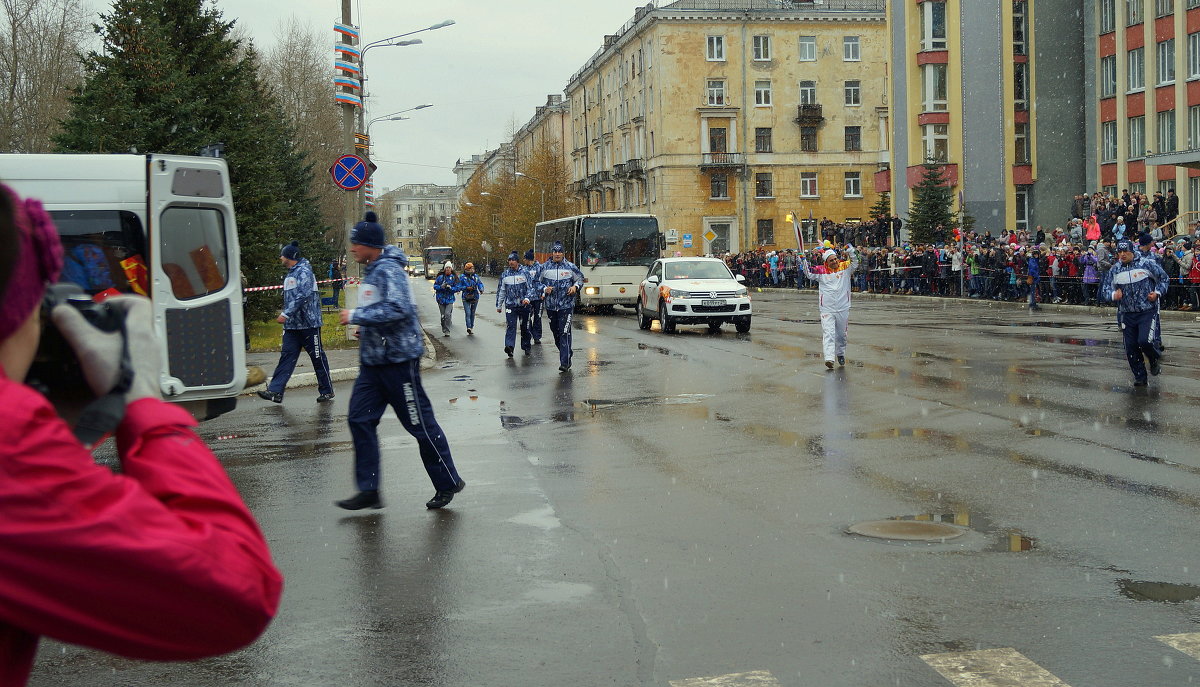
531 271
390 330
562 276
470 285
441 293
301 300
1136 281
514 287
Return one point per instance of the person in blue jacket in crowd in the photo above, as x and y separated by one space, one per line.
513 295
559 279
390 347
301 320
1136 285
531 267
444 288
470 286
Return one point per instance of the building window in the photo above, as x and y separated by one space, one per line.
1194 182
1108 18
762 48
1165 185
1194 126
808 185
935 139
933 86
762 140
808 139
1137 69
808 92
808 48
1019 26
1137 137
762 93
766 231
719 186
1108 141
1108 76
1021 138
851 51
1164 7
853 138
717 139
853 185
1193 49
933 26
1166 62
854 93
1137 187
1022 210
1021 85
1192 4
716 91
1166 131
716 49
762 185
1133 12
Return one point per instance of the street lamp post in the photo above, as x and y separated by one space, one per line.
540 186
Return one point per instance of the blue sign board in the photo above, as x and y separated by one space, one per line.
687 240
349 172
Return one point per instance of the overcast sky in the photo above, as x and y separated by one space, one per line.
489 70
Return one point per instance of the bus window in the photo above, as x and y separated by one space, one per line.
619 241
103 250
194 254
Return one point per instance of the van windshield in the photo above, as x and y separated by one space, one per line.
103 250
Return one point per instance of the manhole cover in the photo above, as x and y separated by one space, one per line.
907 530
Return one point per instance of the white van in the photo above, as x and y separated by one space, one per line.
163 226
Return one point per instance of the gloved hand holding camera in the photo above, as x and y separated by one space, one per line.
101 352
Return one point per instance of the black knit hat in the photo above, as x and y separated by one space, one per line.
291 251
368 232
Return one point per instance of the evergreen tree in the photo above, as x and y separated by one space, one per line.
930 219
170 78
882 207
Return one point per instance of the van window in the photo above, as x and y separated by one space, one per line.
103 250
194 254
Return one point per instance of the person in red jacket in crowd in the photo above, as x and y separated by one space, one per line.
160 562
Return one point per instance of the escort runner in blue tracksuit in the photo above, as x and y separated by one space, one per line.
390 346
513 295
1136 285
535 301
301 319
559 279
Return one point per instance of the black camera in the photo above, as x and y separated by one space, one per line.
55 371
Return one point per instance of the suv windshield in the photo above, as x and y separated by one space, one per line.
618 241
697 269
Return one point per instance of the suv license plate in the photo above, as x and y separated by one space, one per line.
711 303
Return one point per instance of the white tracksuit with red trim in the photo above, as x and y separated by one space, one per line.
834 302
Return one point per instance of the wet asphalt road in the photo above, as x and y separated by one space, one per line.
676 509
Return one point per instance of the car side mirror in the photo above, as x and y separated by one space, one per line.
740 277
652 279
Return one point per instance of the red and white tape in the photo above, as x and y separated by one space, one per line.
323 281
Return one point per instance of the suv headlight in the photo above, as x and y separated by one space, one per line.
676 293
742 291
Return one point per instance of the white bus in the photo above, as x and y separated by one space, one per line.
613 250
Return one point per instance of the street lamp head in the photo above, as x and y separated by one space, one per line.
422 107
411 41
441 25
485 193
521 174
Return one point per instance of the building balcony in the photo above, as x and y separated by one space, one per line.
635 168
713 161
603 176
619 171
592 181
809 115
577 188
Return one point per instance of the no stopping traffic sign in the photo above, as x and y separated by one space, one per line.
349 172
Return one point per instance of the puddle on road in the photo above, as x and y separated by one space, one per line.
1163 592
517 422
594 404
661 351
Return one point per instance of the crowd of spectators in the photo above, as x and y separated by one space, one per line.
1063 265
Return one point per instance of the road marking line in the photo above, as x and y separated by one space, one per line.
755 678
1188 643
991 668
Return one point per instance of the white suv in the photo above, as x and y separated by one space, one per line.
693 291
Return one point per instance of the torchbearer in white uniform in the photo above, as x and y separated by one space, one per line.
834 300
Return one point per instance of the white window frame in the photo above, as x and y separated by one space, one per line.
1137 137
1192 4
1194 182
1133 12
1021 85
809 185
808 48
769 178
852 91
1164 72
1193 56
1108 76
853 185
929 39
1022 210
1021 155
1108 142
808 94
931 136
1163 8
761 48
715 92
1194 126
1135 72
1108 20
762 93
851 49
1164 124
715 51
930 82
1020 21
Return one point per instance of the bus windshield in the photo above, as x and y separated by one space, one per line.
437 255
618 241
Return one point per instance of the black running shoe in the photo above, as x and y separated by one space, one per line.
268 396
361 500
443 498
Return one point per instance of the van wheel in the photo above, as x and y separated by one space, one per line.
743 325
644 321
664 320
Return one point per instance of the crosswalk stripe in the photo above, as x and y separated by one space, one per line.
991 668
1188 643
754 678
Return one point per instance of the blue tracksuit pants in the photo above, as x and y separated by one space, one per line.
397 385
560 327
1140 330
514 316
293 341
535 319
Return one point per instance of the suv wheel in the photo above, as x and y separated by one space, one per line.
644 321
665 321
